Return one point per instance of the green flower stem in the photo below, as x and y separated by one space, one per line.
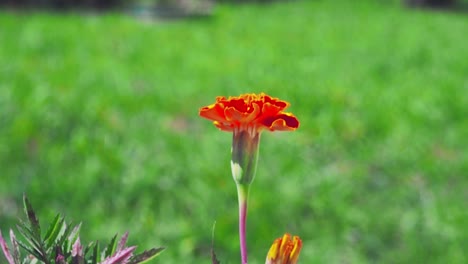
243 195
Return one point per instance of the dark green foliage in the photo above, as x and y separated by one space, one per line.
145 256
61 244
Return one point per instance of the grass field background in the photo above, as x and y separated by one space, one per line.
99 121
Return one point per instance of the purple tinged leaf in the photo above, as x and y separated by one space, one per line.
122 242
146 255
77 250
6 252
74 234
120 257
36 228
14 244
214 259
60 259
77 253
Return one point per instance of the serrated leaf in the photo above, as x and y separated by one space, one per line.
63 237
120 256
110 249
27 236
31 251
147 255
56 238
35 226
26 228
122 242
53 230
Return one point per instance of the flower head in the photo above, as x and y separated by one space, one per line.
247 116
285 250
250 112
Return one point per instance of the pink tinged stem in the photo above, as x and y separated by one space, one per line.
243 192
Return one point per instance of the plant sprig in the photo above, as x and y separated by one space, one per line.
61 244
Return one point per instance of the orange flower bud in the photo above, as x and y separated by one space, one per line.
284 250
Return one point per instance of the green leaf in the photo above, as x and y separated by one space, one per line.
66 246
25 232
111 247
88 248
147 255
53 230
96 254
26 228
30 250
35 226
63 237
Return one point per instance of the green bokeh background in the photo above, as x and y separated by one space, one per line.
99 121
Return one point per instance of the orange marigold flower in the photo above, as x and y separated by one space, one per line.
284 250
250 112
247 116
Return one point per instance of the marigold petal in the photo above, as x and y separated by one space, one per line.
234 115
294 255
239 104
276 102
274 250
270 109
285 247
213 112
281 122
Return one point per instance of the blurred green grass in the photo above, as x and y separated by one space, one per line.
98 121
